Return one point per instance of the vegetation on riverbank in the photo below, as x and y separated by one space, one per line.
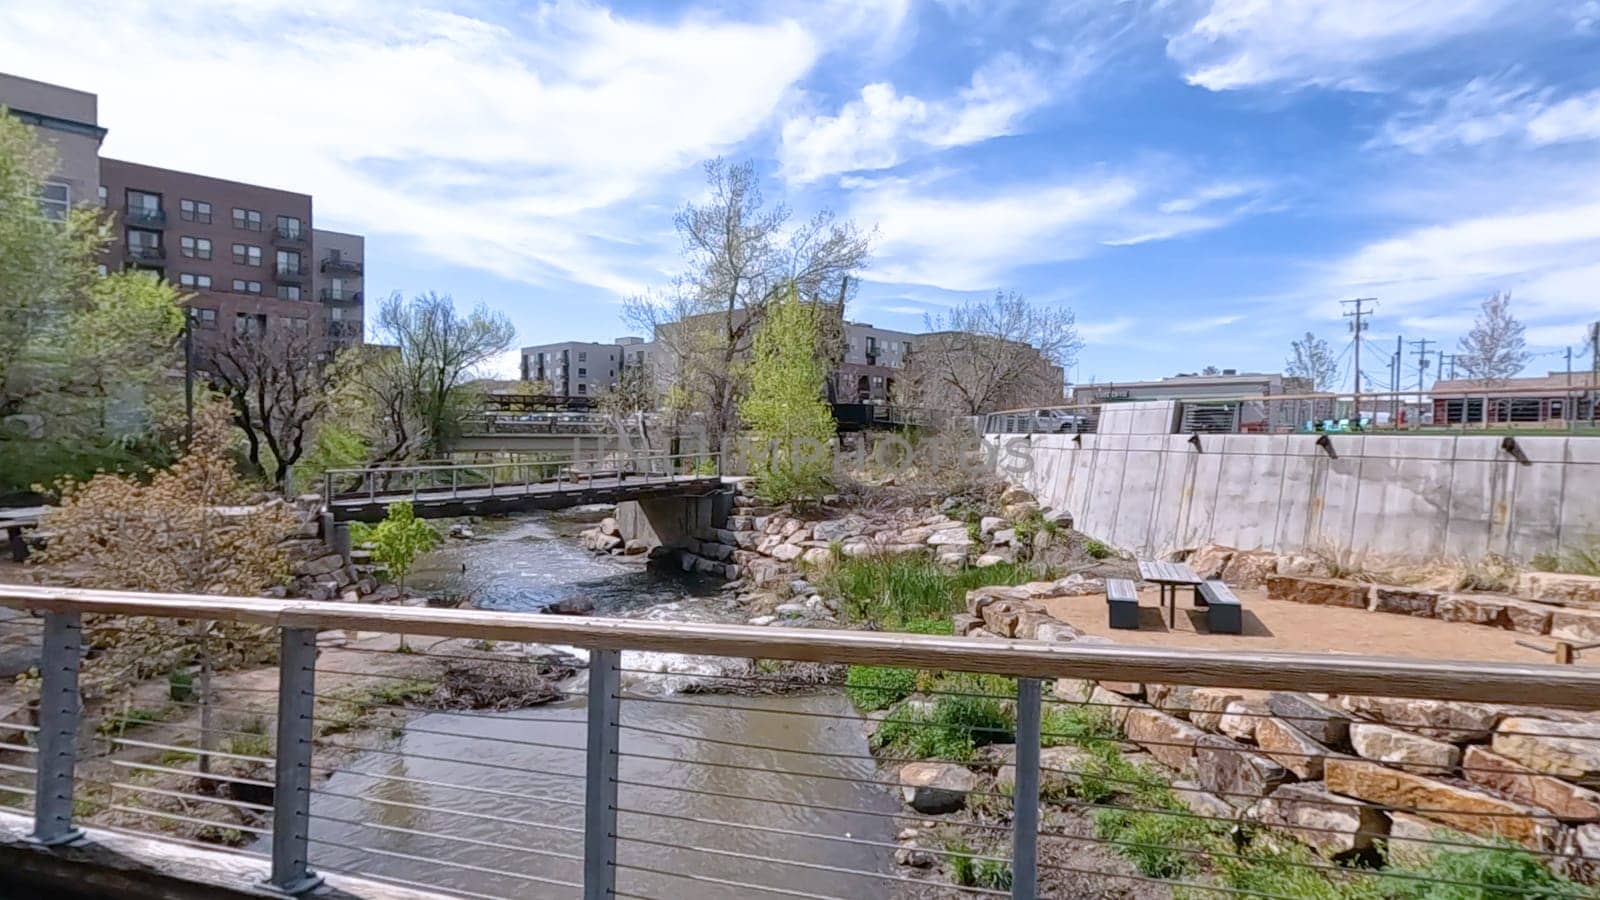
909 592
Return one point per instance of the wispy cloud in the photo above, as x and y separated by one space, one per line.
1249 43
1491 109
882 128
1194 326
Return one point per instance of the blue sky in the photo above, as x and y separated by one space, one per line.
1199 181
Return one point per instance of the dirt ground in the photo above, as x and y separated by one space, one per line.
1296 627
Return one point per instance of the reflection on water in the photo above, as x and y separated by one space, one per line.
526 837
491 805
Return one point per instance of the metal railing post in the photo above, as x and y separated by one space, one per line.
291 807
59 710
1025 799
452 484
600 786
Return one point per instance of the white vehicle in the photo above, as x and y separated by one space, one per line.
1056 421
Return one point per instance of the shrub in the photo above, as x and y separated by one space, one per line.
967 871
877 687
891 591
952 729
1096 549
1500 870
399 539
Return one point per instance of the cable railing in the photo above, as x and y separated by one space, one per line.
484 754
523 476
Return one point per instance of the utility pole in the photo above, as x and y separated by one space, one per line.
1395 404
1422 362
188 378
1357 327
1594 369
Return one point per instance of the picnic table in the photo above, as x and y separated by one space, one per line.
13 521
1169 577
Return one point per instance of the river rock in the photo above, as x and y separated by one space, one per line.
1014 494
1570 750
1005 537
1202 802
1207 704
985 560
1334 826
1170 740
950 537
934 789
1233 771
1407 751
1413 840
1470 810
322 565
799 535
988 525
608 525
912 855
1001 617
1404 601
1172 699
1074 690
787 552
1115 705
978 598
1317 591
963 624
1321 721
635 547
1055 632
1059 768
1568 801
1445 720
1291 748
817 556
571 606
790 526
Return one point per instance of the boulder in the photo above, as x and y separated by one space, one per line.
1334 826
1074 690
1202 802
1058 769
1445 720
1291 748
1172 699
856 547
787 552
790 526
1019 511
1404 601
817 556
1170 740
1077 585
1317 591
1132 689
839 529
608 525
322 565
1321 721
1300 565
1569 802
950 537
1209 561
1413 840
741 523
1028 624
1001 617
636 547
1570 750
1115 705
1014 494
1207 704
1233 771
1575 625
1250 568
934 789
978 598
1575 590
1469 810
988 525
571 606
1239 719
985 560
768 544
963 624
1005 537
1494 611
1583 849
1407 751
951 559
798 536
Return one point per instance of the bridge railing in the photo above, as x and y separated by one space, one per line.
525 474
518 754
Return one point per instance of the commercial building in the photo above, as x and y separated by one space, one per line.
1554 399
872 358
246 257
1190 386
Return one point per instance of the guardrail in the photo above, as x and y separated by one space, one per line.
591 794
1564 409
537 423
557 473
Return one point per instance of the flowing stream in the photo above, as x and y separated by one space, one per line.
683 782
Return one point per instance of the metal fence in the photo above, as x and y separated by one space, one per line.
640 774
526 473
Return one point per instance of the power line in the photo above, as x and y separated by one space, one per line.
1357 327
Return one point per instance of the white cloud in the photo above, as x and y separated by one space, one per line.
1487 110
882 127
509 145
970 241
1194 326
1250 43
1100 331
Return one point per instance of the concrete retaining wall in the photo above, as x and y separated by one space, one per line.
672 521
1388 496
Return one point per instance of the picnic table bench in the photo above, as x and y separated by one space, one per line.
1224 613
14 521
1122 603
1169 577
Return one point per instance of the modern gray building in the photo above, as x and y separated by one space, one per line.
576 368
1191 386
336 282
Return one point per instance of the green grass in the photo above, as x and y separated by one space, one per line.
119 722
953 728
1096 549
1575 561
878 687
1501 865
890 592
966 871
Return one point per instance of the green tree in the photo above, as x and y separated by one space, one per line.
84 358
784 409
399 539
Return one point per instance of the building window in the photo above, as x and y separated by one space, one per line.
246 255
143 203
240 286
249 324
144 244
195 211
103 195
195 248
296 323
289 292
203 317
288 262
55 200
191 280
248 219
582 372
583 388
583 356
289 226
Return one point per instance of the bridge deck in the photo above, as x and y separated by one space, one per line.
447 501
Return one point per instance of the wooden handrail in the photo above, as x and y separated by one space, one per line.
1490 682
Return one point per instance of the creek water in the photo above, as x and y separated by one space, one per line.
690 801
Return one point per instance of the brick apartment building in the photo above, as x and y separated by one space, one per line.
247 257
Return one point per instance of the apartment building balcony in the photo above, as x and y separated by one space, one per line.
340 295
291 237
341 266
292 274
147 253
144 217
